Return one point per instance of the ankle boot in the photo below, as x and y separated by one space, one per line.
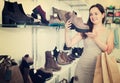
78 24
3 56
34 16
55 53
61 13
19 11
42 13
25 67
51 64
66 48
7 14
77 52
63 59
45 74
70 16
11 14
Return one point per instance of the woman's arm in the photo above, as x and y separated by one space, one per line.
103 46
93 35
108 46
71 41
110 42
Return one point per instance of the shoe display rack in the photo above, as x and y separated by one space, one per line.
35 40
67 72
112 15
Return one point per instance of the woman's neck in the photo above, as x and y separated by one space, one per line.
98 26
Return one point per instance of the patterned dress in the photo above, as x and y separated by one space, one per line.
84 71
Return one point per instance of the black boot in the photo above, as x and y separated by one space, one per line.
55 53
3 56
46 75
66 48
24 67
11 15
19 11
32 18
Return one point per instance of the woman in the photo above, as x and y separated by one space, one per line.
98 40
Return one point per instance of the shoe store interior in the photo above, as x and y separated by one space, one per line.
35 47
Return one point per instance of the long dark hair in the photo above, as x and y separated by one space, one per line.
101 9
89 23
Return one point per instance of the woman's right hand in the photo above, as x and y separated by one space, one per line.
68 25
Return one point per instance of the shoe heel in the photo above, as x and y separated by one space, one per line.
8 22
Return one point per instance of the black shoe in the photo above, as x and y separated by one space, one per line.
55 53
3 56
11 15
45 74
77 52
66 48
36 78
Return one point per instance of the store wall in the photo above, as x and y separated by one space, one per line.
16 42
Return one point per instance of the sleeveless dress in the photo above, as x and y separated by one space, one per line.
85 67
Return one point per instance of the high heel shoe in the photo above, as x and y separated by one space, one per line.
42 13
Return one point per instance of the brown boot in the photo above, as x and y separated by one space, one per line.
61 13
51 64
77 22
62 58
80 26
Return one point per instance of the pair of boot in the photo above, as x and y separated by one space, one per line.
39 11
13 15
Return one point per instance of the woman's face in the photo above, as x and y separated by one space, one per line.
96 16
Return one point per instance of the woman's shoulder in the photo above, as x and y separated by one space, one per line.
108 30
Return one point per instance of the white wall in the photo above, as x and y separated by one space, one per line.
16 42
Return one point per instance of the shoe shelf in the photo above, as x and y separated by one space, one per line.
66 72
35 40
112 16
